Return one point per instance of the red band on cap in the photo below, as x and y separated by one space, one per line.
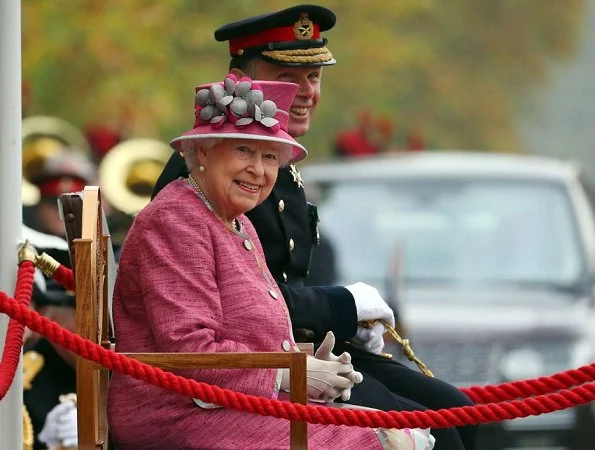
57 186
281 34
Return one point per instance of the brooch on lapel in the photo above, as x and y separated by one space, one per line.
297 177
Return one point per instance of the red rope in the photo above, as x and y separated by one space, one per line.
14 334
528 388
64 276
479 394
287 410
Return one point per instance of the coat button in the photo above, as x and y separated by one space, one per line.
273 294
286 346
248 245
281 205
284 275
291 245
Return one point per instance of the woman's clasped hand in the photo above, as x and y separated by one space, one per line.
328 376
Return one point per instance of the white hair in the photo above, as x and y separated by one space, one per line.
191 147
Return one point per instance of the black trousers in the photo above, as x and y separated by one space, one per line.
389 385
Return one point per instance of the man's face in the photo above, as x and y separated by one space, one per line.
304 104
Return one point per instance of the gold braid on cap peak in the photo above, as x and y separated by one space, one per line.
307 55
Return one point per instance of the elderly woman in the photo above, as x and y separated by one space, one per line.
192 278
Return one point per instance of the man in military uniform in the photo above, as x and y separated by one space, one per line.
66 170
49 377
287 46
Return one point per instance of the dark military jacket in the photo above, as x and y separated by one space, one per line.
287 227
46 377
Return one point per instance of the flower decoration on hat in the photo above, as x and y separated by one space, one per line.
240 102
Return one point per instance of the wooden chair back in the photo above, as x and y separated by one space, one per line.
89 242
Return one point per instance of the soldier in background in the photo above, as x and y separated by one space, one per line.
56 158
55 247
64 171
359 140
49 374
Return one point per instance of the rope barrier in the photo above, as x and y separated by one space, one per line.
64 276
505 391
496 402
443 418
52 268
14 334
529 388
478 394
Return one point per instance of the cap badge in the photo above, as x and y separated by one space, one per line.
304 28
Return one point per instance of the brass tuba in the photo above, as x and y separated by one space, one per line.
128 172
44 137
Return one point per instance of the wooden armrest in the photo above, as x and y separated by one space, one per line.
256 360
295 361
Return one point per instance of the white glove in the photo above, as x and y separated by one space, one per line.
370 339
330 378
60 429
369 304
325 353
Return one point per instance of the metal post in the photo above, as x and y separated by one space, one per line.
11 422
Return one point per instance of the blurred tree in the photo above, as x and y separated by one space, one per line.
453 70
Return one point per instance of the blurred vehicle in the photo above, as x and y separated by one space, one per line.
490 261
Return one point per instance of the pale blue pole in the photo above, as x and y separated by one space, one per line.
11 419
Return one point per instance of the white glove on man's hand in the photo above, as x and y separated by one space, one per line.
329 378
60 429
369 304
370 339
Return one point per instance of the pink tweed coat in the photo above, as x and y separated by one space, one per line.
188 284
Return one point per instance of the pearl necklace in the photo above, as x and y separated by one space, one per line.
235 226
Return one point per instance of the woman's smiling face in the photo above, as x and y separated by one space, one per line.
239 174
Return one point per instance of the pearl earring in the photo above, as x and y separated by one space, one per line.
201 168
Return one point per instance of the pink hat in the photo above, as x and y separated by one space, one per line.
244 109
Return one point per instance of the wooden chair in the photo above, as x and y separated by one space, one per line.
89 246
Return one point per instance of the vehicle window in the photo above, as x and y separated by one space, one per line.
454 231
